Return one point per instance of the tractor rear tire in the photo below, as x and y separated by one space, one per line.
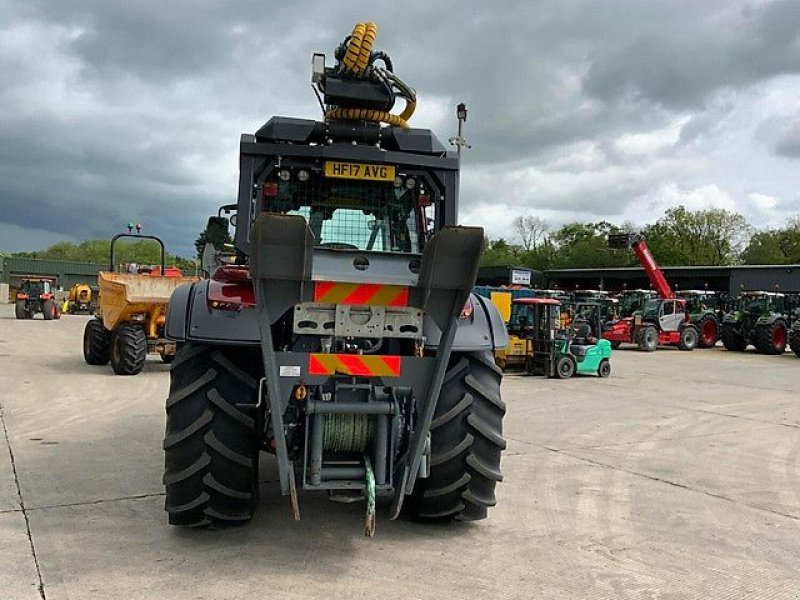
794 341
615 344
211 447
48 310
689 338
20 311
128 349
732 339
466 444
96 343
771 339
604 369
647 338
709 332
565 367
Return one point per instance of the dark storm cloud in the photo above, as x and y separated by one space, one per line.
113 111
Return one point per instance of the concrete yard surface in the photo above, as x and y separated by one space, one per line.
678 477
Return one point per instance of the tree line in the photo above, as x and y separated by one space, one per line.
143 252
715 237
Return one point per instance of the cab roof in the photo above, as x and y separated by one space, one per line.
535 301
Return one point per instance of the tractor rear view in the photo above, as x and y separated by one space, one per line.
343 339
760 320
37 295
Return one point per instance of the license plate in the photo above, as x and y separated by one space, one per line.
363 171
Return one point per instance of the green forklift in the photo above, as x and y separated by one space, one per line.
561 353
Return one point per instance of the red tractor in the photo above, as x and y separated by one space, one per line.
37 295
663 320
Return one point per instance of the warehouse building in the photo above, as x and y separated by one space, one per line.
66 273
731 279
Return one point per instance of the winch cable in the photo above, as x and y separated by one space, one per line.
358 62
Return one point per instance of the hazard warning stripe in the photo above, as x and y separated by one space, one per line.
354 364
360 294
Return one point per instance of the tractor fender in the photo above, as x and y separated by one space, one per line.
189 318
483 330
769 320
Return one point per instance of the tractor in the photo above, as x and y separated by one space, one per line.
342 337
759 320
130 318
662 320
37 295
705 313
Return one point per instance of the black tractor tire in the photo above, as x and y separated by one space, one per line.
167 358
689 338
565 367
20 310
466 444
96 343
604 369
48 310
211 447
732 339
647 338
615 344
128 349
794 341
771 339
708 329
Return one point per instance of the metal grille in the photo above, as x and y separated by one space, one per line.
357 215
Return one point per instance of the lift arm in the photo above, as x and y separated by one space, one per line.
636 242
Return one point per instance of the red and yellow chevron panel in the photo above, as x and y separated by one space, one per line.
360 294
357 365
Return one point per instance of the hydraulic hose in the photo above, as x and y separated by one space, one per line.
358 61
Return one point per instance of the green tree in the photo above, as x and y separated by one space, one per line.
215 233
704 237
764 249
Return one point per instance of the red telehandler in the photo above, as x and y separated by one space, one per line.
663 320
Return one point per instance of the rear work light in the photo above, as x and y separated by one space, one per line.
270 190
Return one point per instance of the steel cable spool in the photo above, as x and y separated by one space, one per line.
348 433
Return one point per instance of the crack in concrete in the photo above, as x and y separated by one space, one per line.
100 501
682 486
722 414
669 439
21 502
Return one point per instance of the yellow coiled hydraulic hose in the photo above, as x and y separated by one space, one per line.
356 62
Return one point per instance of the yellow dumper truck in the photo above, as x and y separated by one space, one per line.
131 313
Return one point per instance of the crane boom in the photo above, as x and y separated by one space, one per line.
636 242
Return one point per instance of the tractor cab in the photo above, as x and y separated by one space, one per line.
632 301
760 303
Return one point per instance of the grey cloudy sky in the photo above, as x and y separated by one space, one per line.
117 111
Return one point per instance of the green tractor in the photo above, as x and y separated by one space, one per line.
705 310
759 320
